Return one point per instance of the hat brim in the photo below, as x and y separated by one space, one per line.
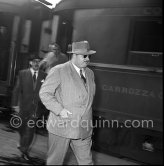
31 59
44 51
82 52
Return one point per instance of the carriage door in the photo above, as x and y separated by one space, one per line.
8 37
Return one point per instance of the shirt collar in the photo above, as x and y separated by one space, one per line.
32 71
78 70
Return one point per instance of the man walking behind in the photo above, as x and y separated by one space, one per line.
26 103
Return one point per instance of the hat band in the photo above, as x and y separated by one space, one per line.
82 51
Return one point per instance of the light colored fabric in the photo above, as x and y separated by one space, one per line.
78 70
82 150
63 88
51 59
58 147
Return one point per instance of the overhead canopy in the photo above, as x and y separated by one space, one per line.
27 7
15 2
90 4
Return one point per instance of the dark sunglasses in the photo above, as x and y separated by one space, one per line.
85 56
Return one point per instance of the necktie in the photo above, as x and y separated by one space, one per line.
34 77
82 77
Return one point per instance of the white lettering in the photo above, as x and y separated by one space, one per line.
131 91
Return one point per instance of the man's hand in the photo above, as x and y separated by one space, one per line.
65 113
16 109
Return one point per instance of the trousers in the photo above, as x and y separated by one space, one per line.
58 147
26 133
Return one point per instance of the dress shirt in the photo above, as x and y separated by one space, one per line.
78 70
32 71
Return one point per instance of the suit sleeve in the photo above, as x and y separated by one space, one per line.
16 91
48 91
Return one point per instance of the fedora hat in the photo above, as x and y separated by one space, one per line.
33 56
81 48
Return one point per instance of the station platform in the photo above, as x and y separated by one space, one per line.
9 154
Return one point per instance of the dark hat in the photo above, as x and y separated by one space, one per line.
44 51
33 56
81 47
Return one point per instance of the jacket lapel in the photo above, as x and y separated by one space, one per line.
90 89
76 77
80 84
88 82
41 76
30 79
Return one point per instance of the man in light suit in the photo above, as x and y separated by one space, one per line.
68 93
26 102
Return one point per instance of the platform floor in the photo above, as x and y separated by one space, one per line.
9 154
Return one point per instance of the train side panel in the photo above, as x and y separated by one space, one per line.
128 68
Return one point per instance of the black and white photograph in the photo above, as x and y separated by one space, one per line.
81 82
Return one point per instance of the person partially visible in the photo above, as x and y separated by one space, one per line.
26 103
52 58
68 93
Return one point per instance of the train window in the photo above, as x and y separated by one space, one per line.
26 30
106 30
5 36
146 46
64 34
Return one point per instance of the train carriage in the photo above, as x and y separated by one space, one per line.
127 36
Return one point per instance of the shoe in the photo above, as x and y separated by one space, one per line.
25 156
18 146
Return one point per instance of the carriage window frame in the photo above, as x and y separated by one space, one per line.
144 56
6 35
10 50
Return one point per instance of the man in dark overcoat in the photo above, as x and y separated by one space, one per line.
26 103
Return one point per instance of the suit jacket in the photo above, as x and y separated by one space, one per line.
26 93
63 88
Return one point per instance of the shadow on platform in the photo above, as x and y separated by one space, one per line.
17 160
